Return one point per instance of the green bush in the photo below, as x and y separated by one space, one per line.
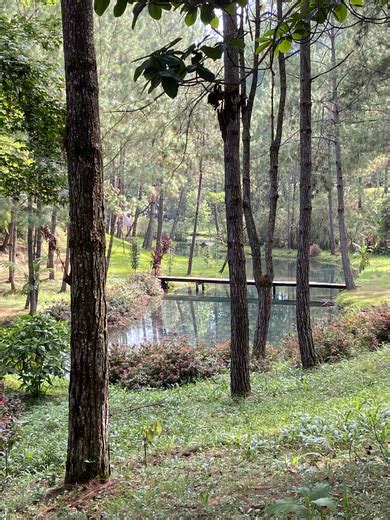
36 349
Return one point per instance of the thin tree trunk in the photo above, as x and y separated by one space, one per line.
177 214
386 180
88 452
65 276
31 302
348 276
198 197
265 294
50 255
147 243
229 119
332 243
112 233
12 250
305 334
291 234
160 218
137 212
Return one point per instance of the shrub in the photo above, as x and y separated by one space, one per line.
161 365
10 409
36 349
347 335
315 250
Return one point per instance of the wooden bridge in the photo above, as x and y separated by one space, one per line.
201 281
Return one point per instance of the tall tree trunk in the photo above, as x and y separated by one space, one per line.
265 294
177 214
88 452
50 255
332 242
198 197
65 276
305 334
254 240
31 302
229 118
137 212
12 249
291 233
112 233
160 218
147 243
348 276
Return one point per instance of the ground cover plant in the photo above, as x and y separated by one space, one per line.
217 458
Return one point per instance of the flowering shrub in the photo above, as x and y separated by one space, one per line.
161 365
347 335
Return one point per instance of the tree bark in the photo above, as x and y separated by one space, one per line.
332 242
177 214
304 329
112 233
230 128
50 255
12 250
137 212
348 276
160 218
66 265
31 302
88 452
265 293
147 243
198 197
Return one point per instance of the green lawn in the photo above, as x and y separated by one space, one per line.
374 285
217 458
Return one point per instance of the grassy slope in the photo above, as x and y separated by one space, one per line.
216 458
374 285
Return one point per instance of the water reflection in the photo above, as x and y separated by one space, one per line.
206 317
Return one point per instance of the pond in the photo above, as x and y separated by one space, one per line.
206 317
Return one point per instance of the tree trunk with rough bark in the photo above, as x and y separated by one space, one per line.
348 276
229 119
304 329
111 242
148 240
198 197
88 452
137 212
12 249
329 187
50 255
31 301
160 218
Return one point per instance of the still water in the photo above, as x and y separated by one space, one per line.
206 317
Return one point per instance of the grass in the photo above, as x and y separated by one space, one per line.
216 458
374 285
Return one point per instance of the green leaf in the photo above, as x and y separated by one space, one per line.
328 502
242 3
205 74
191 17
120 7
340 12
214 53
155 11
236 42
214 22
100 6
284 46
137 9
287 506
206 13
357 3
263 46
170 86
230 8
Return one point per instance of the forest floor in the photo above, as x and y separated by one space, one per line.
216 457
